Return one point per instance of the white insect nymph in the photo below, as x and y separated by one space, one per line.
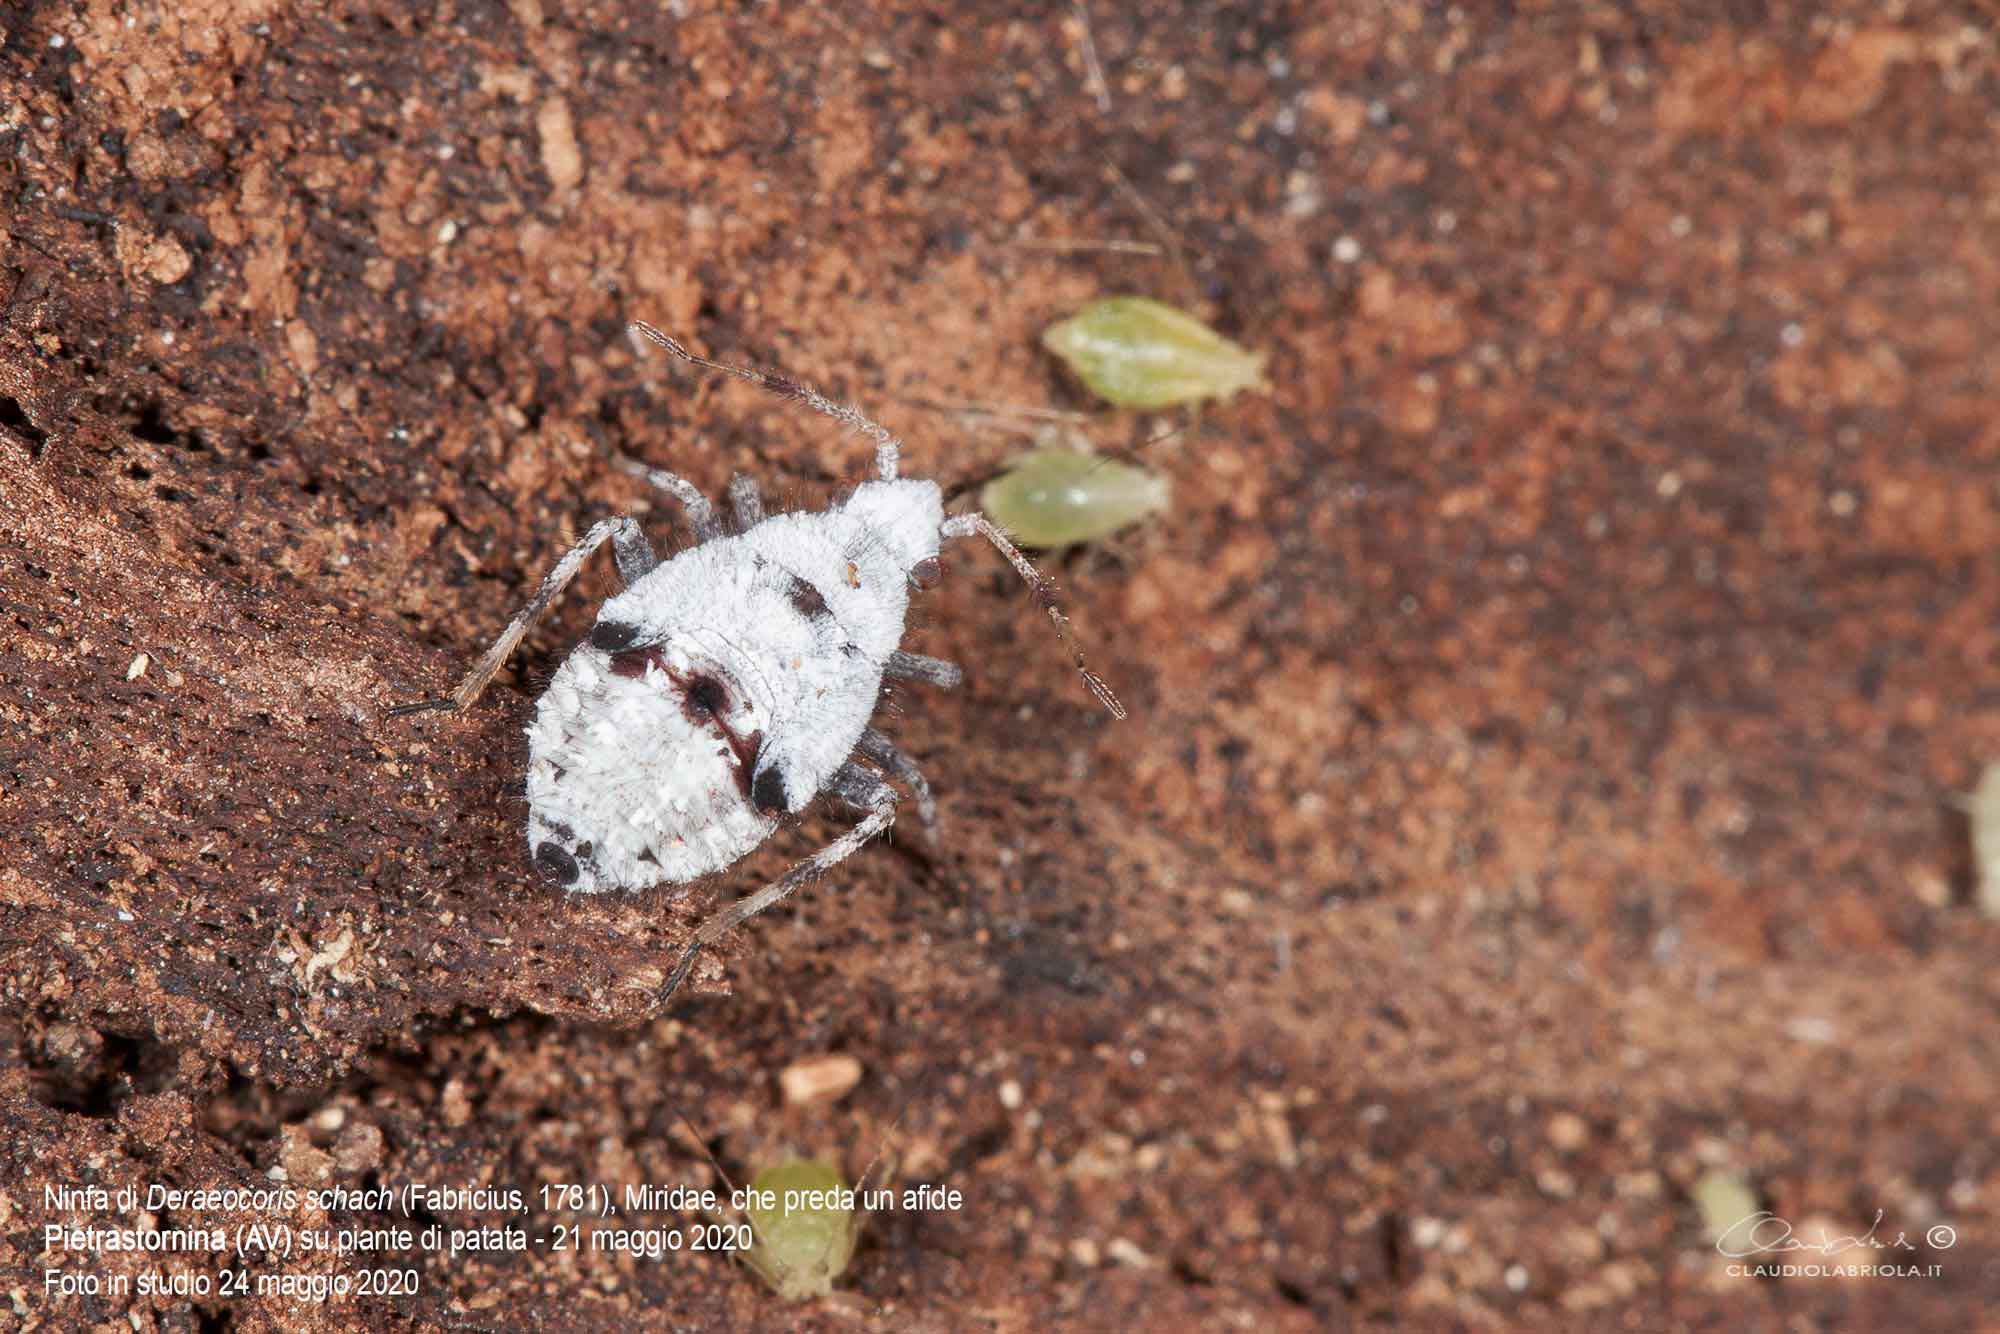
726 688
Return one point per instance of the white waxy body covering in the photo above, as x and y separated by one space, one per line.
722 691
732 685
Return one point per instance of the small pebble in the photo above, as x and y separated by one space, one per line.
819 1079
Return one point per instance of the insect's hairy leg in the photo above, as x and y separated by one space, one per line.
978 525
746 501
879 748
628 541
922 667
633 553
887 448
700 513
856 786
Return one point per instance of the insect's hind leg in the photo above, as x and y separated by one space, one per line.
628 544
852 784
746 502
873 745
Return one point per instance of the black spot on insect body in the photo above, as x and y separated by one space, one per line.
806 600
705 700
556 864
611 636
707 697
768 793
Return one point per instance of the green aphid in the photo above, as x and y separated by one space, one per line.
1054 497
802 1244
1143 354
1725 1201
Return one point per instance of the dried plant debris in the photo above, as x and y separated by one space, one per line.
1056 497
1140 353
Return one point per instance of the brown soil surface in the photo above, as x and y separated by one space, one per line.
1547 703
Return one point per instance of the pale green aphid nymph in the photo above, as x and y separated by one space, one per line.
1055 497
1140 353
800 1246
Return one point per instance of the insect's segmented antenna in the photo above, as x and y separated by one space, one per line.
977 525
696 1136
887 448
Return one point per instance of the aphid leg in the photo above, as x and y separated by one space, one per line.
700 513
746 501
887 448
977 525
873 795
627 541
873 745
921 667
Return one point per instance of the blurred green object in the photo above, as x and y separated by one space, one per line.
803 1243
1140 353
1054 497
1724 1201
